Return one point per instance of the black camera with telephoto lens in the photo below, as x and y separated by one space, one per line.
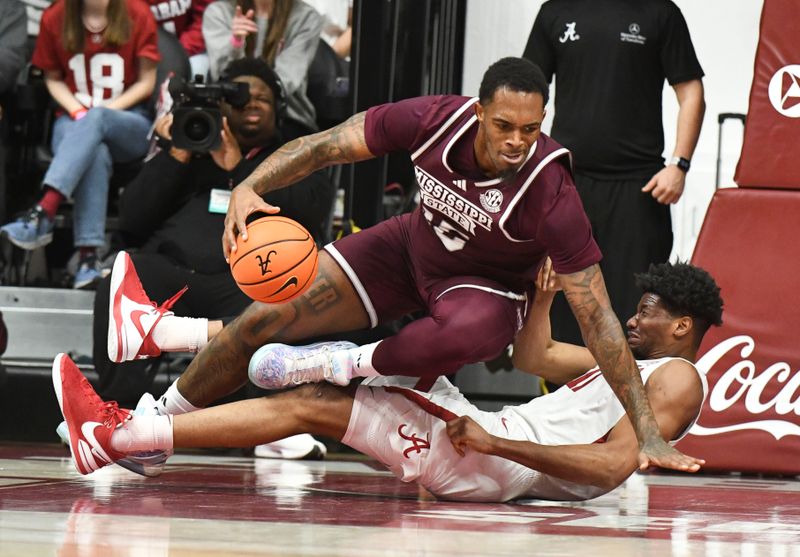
197 117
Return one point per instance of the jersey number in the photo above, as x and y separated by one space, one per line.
451 239
106 72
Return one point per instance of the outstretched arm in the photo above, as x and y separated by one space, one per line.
535 351
676 395
587 296
297 159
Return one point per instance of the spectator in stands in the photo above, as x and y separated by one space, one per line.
175 209
285 33
185 20
99 61
337 29
34 10
13 35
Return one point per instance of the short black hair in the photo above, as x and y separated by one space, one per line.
257 67
685 289
518 74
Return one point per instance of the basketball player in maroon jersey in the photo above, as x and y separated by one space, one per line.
575 443
497 197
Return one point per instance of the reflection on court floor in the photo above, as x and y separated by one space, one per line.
215 505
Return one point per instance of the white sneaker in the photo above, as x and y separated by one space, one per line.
149 463
275 366
296 447
132 315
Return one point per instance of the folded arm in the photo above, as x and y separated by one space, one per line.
140 90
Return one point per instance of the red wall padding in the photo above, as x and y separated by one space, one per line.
750 243
771 150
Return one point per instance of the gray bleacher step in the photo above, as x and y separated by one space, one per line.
42 322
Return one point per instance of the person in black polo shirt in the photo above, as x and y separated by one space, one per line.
610 59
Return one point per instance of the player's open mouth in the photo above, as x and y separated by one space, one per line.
252 118
513 158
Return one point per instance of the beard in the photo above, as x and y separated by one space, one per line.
251 131
639 353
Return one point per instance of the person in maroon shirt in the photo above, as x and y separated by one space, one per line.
497 198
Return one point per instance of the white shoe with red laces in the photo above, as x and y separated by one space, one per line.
132 316
90 420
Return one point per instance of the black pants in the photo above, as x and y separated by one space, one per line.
633 230
212 296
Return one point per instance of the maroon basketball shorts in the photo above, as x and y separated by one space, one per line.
380 265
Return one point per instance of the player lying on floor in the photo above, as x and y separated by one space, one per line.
576 443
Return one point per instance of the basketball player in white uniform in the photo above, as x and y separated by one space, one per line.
576 443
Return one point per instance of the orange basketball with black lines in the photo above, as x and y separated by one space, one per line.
277 263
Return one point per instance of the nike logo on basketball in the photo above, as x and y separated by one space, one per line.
93 448
291 282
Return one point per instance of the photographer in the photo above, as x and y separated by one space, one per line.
175 208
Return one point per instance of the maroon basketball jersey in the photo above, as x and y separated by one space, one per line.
492 228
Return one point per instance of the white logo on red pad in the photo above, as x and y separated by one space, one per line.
784 91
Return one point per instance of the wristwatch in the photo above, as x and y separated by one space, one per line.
681 163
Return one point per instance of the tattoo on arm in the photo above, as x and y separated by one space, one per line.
268 320
275 325
300 157
586 293
322 296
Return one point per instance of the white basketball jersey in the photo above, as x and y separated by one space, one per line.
582 411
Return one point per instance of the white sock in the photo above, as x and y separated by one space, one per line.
143 433
174 402
181 334
362 360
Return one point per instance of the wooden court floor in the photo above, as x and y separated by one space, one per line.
206 504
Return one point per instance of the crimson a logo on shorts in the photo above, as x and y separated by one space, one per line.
784 91
417 443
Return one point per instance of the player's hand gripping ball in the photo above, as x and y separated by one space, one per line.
277 263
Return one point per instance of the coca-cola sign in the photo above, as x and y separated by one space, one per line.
751 390
750 420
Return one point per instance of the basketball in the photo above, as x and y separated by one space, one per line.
277 263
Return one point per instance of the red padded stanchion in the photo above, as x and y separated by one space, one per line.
750 243
771 149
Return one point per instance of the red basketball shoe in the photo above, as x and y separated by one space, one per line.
132 315
90 420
